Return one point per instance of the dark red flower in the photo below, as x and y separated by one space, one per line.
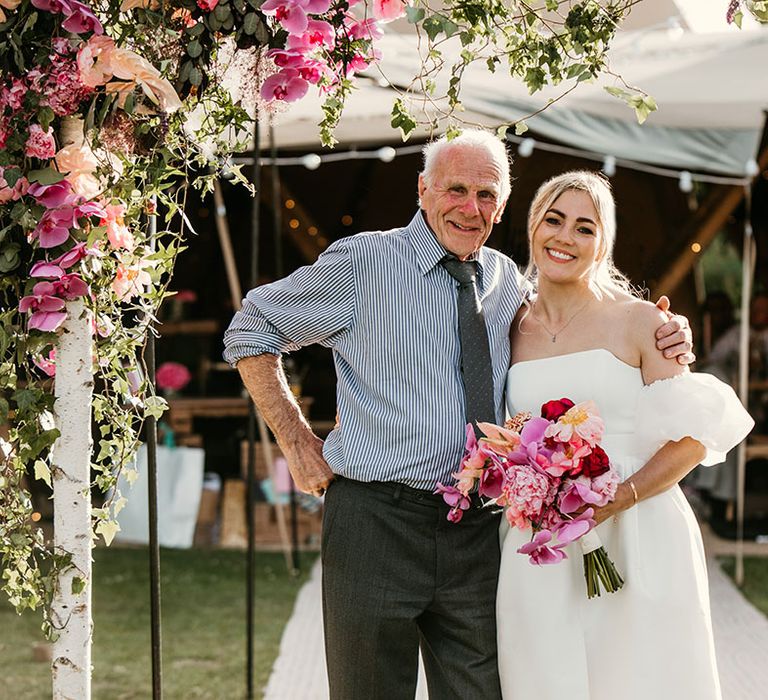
595 463
552 410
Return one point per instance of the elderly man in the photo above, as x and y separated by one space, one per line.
418 320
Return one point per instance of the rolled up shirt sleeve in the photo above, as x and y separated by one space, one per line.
315 304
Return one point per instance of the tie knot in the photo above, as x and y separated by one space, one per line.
464 272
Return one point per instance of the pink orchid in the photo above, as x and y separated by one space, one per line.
568 531
539 552
51 196
287 85
606 485
70 287
287 59
53 6
320 34
582 420
455 499
40 144
46 269
207 5
577 493
45 307
388 10
53 229
80 19
46 364
491 481
292 14
91 209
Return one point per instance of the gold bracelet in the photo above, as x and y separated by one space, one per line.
634 493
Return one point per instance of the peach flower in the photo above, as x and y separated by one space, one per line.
143 4
80 164
93 61
8 5
130 280
117 232
128 65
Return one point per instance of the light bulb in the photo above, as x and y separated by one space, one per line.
311 161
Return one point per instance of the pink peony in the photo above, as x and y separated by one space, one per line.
40 144
172 376
582 420
387 10
528 490
287 85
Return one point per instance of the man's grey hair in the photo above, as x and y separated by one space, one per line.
473 138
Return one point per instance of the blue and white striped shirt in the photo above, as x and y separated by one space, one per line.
388 310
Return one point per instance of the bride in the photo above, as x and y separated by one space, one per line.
586 336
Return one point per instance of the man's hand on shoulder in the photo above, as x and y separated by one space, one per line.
674 338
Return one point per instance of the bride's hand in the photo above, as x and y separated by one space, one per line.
675 337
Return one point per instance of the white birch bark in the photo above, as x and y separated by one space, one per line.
71 612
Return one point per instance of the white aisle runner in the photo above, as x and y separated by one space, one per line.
741 638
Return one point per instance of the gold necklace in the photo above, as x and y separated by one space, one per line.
564 326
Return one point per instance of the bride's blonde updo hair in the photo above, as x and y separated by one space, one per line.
605 277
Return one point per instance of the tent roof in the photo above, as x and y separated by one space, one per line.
711 91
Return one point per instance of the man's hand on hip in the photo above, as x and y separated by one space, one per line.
309 469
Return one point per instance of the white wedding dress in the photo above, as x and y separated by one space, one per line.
653 638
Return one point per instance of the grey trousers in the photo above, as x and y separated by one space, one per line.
397 575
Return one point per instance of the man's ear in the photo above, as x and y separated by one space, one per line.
497 220
422 186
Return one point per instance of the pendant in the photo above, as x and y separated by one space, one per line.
554 338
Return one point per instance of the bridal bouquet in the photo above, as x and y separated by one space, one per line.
548 472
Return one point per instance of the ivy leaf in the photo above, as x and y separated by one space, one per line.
155 406
552 5
433 26
401 119
738 17
107 529
43 472
414 14
644 107
78 585
45 176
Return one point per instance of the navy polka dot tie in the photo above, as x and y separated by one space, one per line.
476 368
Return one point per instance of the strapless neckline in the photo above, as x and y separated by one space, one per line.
573 355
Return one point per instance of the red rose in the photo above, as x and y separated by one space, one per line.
595 463
552 410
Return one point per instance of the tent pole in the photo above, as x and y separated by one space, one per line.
746 295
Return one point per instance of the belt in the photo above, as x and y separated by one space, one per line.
408 493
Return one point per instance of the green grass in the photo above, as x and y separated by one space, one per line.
203 616
755 580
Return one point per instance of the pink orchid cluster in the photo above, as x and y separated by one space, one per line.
325 42
549 473
78 17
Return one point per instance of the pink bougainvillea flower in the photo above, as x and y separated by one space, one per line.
539 552
40 144
364 29
80 19
581 420
46 269
45 307
7 5
207 5
568 531
53 228
117 232
388 10
51 196
46 364
287 85
130 280
70 287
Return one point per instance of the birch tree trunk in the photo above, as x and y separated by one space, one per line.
71 458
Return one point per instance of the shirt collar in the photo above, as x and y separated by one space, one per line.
428 250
